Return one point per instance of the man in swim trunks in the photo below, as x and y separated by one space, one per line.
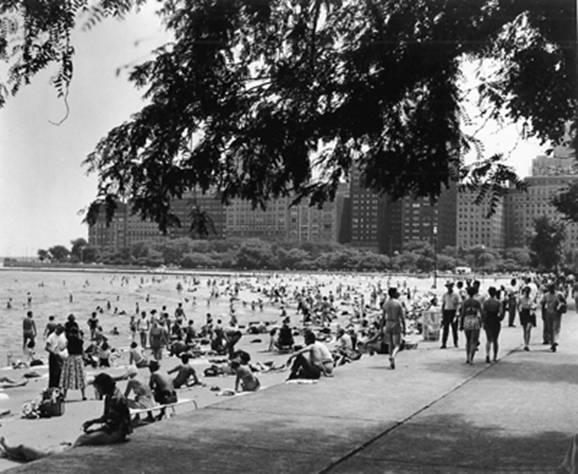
28 332
311 361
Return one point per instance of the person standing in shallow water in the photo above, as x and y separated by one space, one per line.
28 332
393 324
470 323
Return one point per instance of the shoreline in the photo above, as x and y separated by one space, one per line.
247 273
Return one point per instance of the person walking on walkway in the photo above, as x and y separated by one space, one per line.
511 302
450 305
393 324
492 320
527 312
553 306
470 323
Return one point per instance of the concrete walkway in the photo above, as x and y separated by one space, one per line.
434 413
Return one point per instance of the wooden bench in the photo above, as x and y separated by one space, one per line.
162 409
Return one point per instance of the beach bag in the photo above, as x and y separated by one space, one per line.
52 403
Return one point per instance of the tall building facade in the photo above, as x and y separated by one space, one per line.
368 214
243 221
560 162
209 203
417 218
382 224
281 221
550 175
124 230
474 226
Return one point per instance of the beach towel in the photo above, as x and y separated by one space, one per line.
302 381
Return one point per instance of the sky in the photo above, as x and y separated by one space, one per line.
42 183
43 186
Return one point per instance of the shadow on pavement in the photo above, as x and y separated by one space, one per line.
449 444
513 368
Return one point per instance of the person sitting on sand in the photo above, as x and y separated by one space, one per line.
143 396
186 375
285 337
104 354
312 360
163 390
248 381
115 425
136 357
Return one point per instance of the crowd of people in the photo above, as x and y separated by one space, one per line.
467 309
375 320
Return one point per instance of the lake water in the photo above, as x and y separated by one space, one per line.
51 294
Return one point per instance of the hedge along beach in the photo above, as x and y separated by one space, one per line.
80 293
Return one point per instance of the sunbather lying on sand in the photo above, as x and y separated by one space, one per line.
22 453
7 382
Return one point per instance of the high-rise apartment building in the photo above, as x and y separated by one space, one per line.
271 223
209 203
367 214
560 162
419 219
124 230
475 226
550 175
281 221
382 224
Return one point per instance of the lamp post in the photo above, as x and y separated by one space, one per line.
435 248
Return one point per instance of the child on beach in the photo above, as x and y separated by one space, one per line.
104 355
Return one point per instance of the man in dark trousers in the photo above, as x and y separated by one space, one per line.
450 305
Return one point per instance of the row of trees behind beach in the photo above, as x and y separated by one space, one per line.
254 253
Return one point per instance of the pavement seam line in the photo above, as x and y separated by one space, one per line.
396 425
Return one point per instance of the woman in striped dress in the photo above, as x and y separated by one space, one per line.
72 376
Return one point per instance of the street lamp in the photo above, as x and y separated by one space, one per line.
435 246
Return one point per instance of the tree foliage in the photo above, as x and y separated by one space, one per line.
546 243
261 99
43 255
59 253
256 254
77 249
